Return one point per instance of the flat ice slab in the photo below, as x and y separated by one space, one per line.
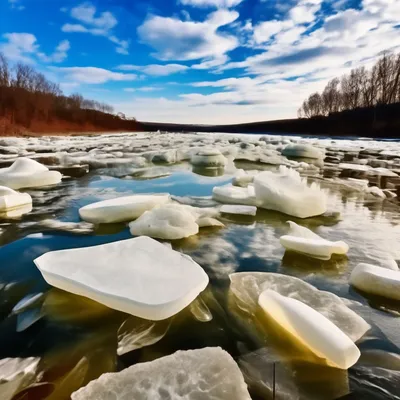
287 192
203 374
302 240
247 287
239 210
312 329
121 209
10 199
138 276
234 195
27 173
302 150
376 280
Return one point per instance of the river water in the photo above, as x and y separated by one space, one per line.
62 329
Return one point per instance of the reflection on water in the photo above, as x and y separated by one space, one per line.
77 339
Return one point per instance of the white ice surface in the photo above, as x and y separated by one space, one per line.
208 158
203 374
302 240
10 199
26 173
235 195
238 209
247 286
311 328
302 150
376 280
138 276
287 192
120 209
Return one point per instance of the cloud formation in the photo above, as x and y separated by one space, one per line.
154 69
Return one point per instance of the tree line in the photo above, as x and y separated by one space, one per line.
362 88
28 97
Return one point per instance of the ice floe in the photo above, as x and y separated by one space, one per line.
247 287
376 280
287 192
138 276
208 158
312 329
121 209
235 195
209 373
10 199
302 240
169 222
27 173
239 210
302 151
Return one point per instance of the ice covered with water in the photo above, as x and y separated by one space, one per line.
311 328
235 195
302 151
376 280
203 374
247 287
27 173
121 209
302 240
170 221
151 281
287 192
239 210
10 199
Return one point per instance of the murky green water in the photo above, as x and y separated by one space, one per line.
76 338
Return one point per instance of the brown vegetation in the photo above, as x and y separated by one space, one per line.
362 88
31 103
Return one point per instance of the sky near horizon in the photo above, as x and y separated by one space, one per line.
198 61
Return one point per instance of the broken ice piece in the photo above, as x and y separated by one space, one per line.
10 199
239 210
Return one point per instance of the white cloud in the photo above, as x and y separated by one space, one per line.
100 25
19 46
59 55
174 39
91 75
15 5
143 89
154 69
211 3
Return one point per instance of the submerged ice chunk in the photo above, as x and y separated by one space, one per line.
138 276
312 329
27 173
247 287
234 195
302 150
10 199
169 222
376 280
301 240
288 193
238 209
121 209
209 373
208 158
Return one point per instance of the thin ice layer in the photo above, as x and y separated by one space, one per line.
203 374
27 173
138 276
247 287
288 193
121 209
311 328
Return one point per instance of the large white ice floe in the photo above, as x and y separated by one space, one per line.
302 150
302 240
203 374
287 192
311 328
208 158
121 209
27 173
138 276
10 199
239 210
247 287
376 280
235 195
169 222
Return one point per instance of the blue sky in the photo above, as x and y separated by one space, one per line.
199 61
